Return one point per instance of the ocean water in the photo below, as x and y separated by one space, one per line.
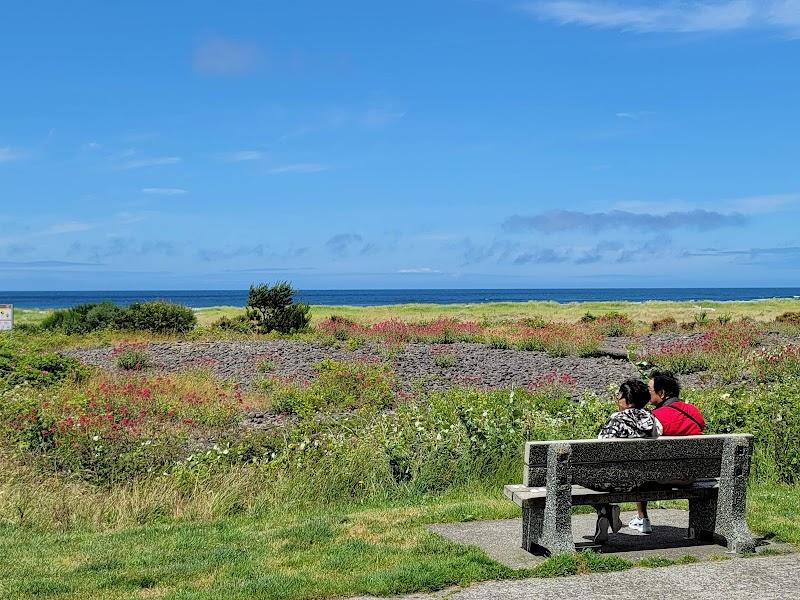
204 298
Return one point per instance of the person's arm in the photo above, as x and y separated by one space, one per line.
610 429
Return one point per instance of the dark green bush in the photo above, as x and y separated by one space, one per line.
156 317
133 360
614 324
271 308
536 322
665 323
238 324
789 318
83 318
160 317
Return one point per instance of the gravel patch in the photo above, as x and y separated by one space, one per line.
473 364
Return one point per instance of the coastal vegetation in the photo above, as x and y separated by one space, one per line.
132 480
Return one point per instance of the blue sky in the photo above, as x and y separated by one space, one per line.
190 145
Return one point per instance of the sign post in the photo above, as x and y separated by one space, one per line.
6 317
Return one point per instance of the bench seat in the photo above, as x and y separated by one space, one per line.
526 497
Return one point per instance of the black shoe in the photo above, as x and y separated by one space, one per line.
601 533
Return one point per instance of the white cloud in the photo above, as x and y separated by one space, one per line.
159 191
66 227
221 56
380 117
299 168
766 204
751 205
151 162
690 16
8 154
245 155
419 270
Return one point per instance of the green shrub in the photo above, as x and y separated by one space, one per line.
536 322
770 412
665 323
83 318
132 360
156 317
614 324
498 342
789 318
354 343
338 386
238 324
271 308
160 317
701 318
776 364
265 365
445 360
113 428
38 369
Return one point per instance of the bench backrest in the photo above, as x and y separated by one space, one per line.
632 462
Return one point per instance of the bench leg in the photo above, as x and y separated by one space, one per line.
548 528
532 522
732 500
702 518
555 534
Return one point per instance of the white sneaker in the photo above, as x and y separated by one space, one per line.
641 525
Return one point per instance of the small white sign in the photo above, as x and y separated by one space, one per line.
6 317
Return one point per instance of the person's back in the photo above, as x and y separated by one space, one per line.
679 417
676 416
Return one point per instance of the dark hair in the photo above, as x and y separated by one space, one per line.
665 381
635 392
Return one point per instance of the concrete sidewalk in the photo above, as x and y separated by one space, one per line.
762 578
501 539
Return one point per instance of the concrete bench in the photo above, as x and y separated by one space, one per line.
560 474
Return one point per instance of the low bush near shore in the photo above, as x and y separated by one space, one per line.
154 317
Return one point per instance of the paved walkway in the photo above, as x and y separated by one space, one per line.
501 539
762 578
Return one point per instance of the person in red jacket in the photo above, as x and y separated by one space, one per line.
676 418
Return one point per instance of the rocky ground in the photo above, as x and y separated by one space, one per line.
473 364
415 364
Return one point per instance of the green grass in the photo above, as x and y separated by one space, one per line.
498 311
338 550
765 310
325 553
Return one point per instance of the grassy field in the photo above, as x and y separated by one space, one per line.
762 310
336 551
